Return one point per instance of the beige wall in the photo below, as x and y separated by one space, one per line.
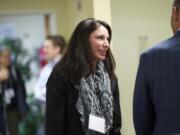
66 13
55 6
132 19
74 15
102 10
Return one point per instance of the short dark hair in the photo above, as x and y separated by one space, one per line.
77 61
58 41
176 3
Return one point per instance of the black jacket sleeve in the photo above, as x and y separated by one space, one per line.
117 110
21 93
2 120
55 106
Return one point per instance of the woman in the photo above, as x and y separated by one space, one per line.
3 77
14 93
82 91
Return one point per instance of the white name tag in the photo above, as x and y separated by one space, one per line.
9 94
97 124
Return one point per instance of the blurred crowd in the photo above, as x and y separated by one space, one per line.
13 98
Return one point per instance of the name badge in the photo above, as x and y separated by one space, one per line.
97 124
9 94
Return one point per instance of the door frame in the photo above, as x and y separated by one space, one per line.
52 17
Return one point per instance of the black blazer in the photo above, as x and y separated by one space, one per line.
2 120
157 90
62 118
16 82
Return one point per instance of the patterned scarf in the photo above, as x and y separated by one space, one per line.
95 98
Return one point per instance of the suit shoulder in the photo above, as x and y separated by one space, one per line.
158 48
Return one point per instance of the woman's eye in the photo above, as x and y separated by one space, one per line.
103 38
100 37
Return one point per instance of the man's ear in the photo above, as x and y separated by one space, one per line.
58 49
175 15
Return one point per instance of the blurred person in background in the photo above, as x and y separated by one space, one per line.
3 77
14 93
82 91
53 48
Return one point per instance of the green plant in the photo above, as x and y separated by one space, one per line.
34 117
31 122
19 53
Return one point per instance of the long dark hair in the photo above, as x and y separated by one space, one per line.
176 3
77 61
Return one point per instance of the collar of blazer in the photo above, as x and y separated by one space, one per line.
177 32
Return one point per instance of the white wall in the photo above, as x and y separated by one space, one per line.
137 24
30 28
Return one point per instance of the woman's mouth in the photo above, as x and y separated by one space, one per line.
102 52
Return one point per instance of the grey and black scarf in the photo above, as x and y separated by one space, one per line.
95 97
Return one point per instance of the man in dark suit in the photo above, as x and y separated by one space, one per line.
156 106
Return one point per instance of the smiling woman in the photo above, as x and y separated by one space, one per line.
99 42
82 91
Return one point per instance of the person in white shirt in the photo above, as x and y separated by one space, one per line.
53 48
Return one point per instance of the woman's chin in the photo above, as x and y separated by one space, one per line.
101 58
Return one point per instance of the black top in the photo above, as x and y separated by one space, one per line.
10 83
62 118
16 83
2 120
